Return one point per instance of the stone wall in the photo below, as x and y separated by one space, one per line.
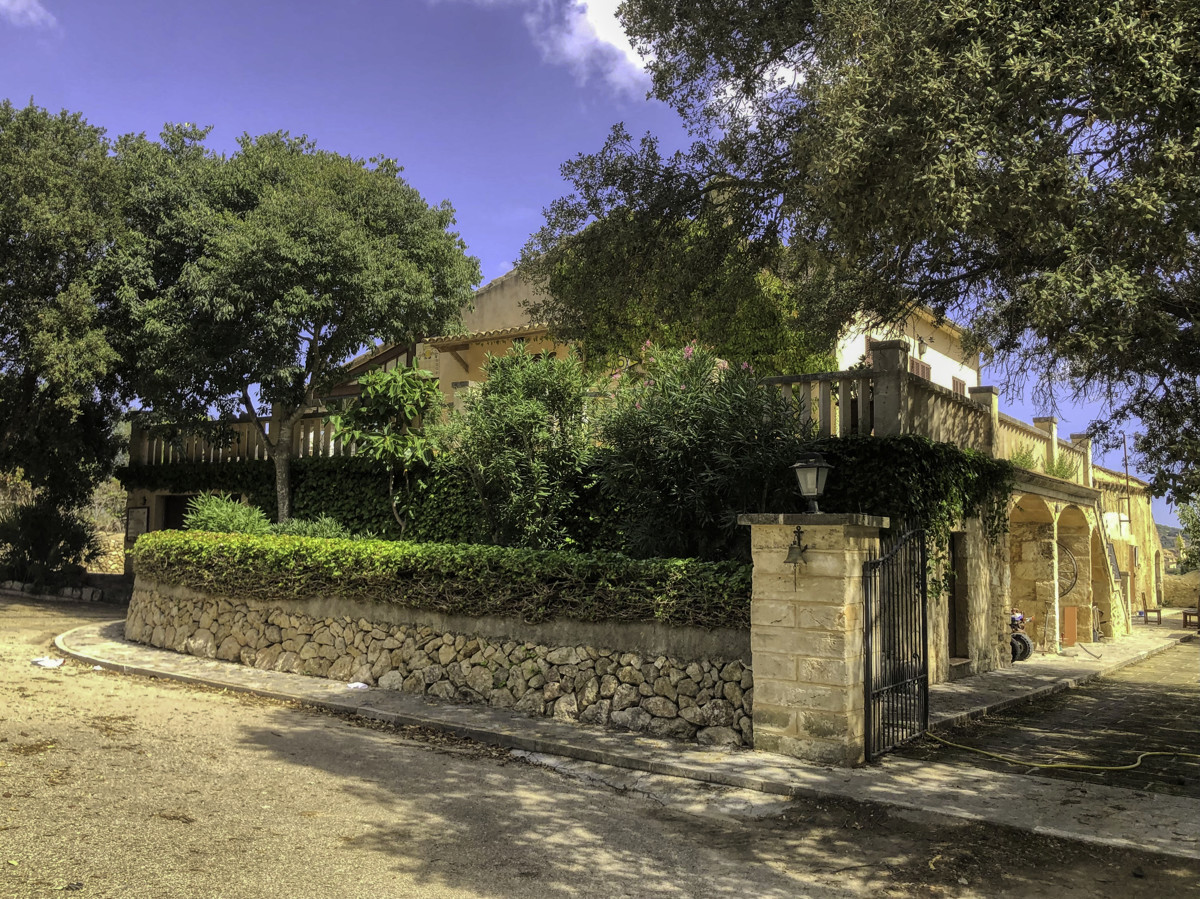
708 699
1181 590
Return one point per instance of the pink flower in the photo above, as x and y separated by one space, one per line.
647 345
745 365
651 360
688 350
637 405
722 365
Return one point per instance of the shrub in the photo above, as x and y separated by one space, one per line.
324 527
523 443
691 443
44 544
221 514
536 585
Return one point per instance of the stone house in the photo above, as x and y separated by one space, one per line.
1082 555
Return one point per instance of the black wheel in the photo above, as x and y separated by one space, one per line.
1022 647
1068 571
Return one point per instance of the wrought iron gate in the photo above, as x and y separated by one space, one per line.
895 644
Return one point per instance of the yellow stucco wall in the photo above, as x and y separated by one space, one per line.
938 346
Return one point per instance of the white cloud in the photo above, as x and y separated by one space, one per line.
584 35
27 13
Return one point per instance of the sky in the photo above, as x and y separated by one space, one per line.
481 101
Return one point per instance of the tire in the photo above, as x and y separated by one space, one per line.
1022 647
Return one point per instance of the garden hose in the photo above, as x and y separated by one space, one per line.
1012 761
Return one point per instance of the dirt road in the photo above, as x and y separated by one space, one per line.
127 787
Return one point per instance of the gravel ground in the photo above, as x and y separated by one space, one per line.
128 787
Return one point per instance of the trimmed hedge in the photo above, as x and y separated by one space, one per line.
461 579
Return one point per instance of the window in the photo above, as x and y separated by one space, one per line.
960 386
919 368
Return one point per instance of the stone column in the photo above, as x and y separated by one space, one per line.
890 358
806 634
1049 424
1084 442
989 398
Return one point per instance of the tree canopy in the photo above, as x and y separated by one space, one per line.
251 280
1030 169
58 370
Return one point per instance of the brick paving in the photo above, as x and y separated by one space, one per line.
1149 705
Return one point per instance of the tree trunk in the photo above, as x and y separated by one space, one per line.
282 457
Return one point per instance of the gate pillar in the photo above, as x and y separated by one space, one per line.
806 633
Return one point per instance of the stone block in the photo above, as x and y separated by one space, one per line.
772 613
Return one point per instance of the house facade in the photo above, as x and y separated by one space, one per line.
1082 556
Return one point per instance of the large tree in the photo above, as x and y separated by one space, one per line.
1032 169
253 279
58 371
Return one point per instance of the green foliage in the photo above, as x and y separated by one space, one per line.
351 490
324 527
536 585
691 443
1189 546
1063 467
218 513
270 268
915 482
1026 457
609 284
522 440
58 371
385 424
1030 168
44 544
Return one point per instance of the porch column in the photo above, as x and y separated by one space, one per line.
989 398
806 633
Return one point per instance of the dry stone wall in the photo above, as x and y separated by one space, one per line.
709 700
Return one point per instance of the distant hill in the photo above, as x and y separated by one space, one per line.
1167 535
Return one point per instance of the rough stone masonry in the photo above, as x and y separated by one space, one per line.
709 700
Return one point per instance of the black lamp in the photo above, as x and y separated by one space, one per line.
811 471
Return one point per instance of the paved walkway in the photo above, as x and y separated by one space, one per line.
1152 706
1112 816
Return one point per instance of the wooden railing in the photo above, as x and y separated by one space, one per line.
238 440
886 400
835 403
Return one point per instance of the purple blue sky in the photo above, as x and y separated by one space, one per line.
479 100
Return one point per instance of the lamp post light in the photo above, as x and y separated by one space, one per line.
811 471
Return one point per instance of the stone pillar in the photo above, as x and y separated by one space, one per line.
806 634
1084 442
890 358
1049 424
989 398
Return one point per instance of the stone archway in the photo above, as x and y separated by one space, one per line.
1033 568
1074 551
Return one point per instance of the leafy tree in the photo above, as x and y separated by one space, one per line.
386 422
523 441
58 370
611 279
1032 169
253 279
1188 543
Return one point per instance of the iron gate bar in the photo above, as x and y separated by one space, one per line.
895 645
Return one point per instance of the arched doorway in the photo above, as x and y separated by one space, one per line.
1074 576
1032 570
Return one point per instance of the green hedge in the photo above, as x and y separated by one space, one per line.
460 579
351 490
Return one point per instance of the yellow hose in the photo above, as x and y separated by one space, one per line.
1012 761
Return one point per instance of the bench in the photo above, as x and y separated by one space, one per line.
1191 618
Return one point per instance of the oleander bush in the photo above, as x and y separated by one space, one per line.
463 579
